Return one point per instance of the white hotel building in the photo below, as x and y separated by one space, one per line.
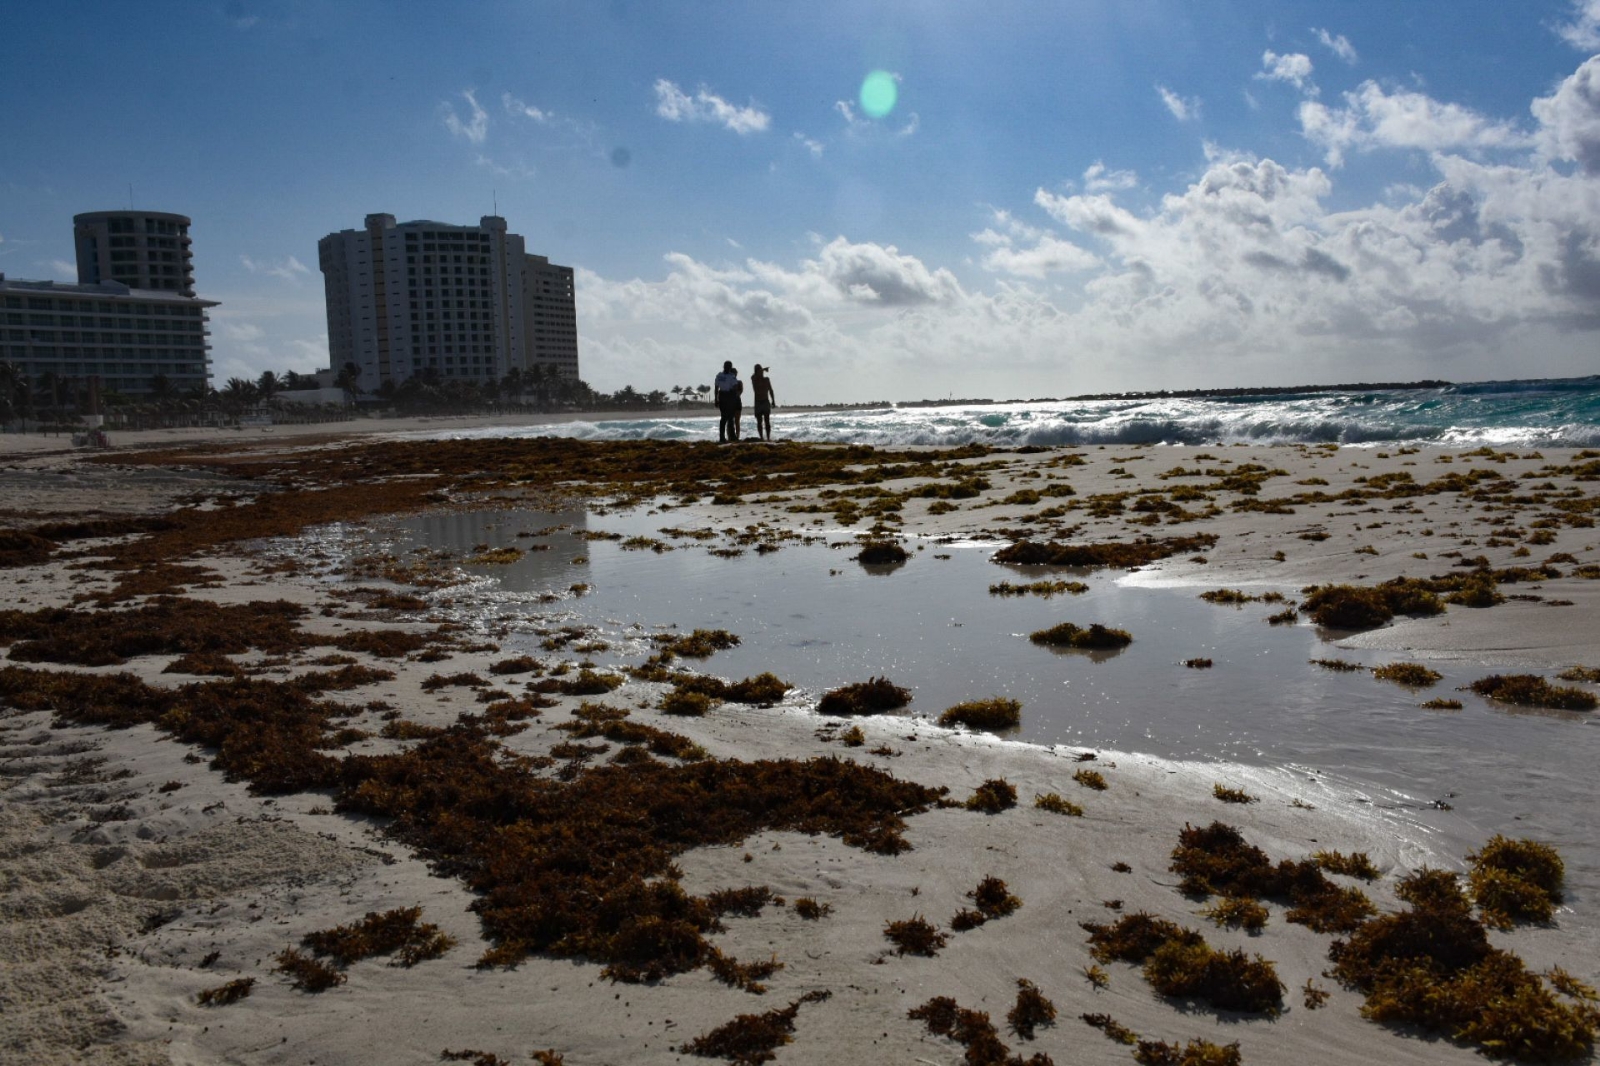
467 302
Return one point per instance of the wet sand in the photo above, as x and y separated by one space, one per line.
125 875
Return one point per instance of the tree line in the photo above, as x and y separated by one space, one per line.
51 399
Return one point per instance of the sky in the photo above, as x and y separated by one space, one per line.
875 200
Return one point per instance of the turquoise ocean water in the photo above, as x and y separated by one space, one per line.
1562 412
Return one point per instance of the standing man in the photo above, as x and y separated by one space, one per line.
728 390
765 400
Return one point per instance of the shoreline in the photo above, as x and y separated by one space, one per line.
254 873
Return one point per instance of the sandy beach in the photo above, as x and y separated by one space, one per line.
312 723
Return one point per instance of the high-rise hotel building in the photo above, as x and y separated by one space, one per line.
133 317
466 302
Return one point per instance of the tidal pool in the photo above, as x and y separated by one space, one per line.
817 619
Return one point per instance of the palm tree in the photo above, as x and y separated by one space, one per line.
349 380
268 384
238 394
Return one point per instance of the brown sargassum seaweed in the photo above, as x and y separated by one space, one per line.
1216 860
973 1030
1179 963
1124 554
752 1038
581 868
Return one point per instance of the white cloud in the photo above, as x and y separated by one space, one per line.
63 270
911 126
812 146
1242 274
1340 45
1373 118
290 269
517 171
1294 68
675 105
1583 30
475 128
1570 118
1049 255
519 109
1183 109
1099 179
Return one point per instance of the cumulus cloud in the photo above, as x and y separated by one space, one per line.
474 127
1582 29
1339 44
1244 273
1373 118
1294 68
1570 118
812 146
1183 108
290 269
62 269
1049 255
1097 178
675 105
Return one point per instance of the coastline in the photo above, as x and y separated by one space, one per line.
245 875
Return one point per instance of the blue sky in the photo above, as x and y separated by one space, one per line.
1066 197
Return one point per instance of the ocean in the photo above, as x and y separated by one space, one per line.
1562 412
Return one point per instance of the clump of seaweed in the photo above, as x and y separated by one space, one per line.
974 1031
1442 704
880 552
763 689
811 910
700 644
1433 966
745 976
1031 1010
1055 804
995 713
1197 664
1113 1029
1197 1052
306 973
1038 588
993 899
686 704
915 936
1216 860
224 994
1515 880
1237 912
853 737
1531 690
204 664
435 682
1369 606
864 697
1123 554
1229 597
396 932
1338 666
751 1039
1091 779
992 797
1356 864
1179 963
1414 674
521 664
1232 795
1313 997
473 1056
1587 674
1068 635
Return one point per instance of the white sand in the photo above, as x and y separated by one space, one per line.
246 876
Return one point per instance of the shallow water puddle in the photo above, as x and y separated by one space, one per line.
816 618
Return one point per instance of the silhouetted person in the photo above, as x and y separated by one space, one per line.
765 400
728 390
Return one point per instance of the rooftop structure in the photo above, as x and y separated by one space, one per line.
141 249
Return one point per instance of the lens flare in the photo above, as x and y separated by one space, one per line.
878 93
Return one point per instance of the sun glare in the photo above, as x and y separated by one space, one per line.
878 93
